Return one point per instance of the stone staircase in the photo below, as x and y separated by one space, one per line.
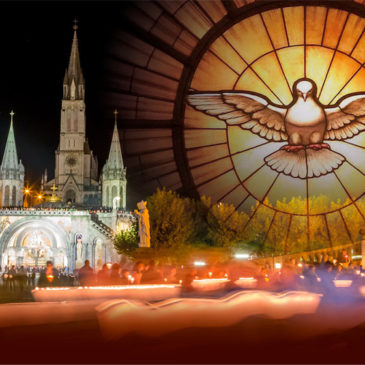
101 227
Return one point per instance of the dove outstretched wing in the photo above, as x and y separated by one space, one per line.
250 111
347 119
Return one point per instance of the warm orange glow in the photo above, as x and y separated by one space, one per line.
266 54
50 278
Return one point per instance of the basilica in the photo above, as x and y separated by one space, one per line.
76 179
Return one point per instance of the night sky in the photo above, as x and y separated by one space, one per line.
35 44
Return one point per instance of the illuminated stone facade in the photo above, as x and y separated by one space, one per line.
68 238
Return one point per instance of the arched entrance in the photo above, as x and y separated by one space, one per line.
33 244
70 196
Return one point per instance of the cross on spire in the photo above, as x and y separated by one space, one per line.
75 26
54 188
12 115
115 115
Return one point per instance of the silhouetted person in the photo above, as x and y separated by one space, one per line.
11 277
21 278
103 275
49 276
124 280
138 272
151 275
86 274
115 275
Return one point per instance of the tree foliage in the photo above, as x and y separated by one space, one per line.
126 242
224 224
181 225
171 219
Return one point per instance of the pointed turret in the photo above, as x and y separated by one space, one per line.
10 157
114 182
12 173
65 79
115 159
74 79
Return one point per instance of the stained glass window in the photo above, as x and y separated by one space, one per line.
182 47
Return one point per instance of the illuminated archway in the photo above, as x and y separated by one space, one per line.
32 243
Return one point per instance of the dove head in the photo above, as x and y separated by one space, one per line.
305 88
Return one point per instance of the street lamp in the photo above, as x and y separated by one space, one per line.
39 197
27 192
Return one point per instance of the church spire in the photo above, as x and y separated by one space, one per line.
115 160
74 79
10 158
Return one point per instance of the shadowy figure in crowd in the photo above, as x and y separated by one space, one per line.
151 275
103 275
11 277
21 278
138 272
114 278
86 274
49 276
124 280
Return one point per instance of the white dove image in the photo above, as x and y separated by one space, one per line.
305 123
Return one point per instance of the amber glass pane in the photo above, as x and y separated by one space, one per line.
335 21
249 38
208 65
315 22
294 19
227 54
274 23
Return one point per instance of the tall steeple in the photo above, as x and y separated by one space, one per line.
115 159
73 83
76 168
10 157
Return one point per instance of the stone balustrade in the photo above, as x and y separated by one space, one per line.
24 212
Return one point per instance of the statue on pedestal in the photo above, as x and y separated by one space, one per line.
143 224
78 252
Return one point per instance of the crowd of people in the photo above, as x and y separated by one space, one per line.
320 277
18 278
291 275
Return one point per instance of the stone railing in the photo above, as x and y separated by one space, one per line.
95 219
22 212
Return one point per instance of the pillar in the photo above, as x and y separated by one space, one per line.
104 254
93 261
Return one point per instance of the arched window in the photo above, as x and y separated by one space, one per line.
114 194
13 197
70 196
6 195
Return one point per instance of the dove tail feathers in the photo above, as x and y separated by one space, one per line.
306 163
